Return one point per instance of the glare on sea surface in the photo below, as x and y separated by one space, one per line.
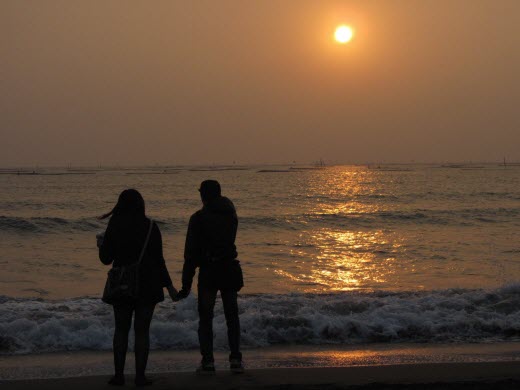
344 34
344 258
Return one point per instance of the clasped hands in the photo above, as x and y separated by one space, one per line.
177 295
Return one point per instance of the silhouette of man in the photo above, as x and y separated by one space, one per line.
210 245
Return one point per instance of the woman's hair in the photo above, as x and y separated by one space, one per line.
130 202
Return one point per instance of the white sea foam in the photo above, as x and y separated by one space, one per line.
454 315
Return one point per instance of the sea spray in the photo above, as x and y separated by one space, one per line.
447 316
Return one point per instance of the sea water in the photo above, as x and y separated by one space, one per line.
338 255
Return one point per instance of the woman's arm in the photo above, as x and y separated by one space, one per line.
172 292
163 271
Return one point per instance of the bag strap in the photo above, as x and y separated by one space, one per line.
145 242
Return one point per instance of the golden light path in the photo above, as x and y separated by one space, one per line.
344 34
345 259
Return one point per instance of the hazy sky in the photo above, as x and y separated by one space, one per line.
145 82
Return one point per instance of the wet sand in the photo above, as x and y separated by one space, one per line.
375 366
99 363
492 375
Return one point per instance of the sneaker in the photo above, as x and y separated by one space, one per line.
236 366
206 369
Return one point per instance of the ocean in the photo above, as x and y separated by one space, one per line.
339 255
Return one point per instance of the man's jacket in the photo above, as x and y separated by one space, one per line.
210 242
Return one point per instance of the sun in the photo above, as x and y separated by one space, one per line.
343 34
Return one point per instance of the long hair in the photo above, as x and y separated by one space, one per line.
130 202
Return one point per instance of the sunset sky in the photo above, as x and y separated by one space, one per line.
202 82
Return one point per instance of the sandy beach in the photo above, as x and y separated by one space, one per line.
492 375
378 366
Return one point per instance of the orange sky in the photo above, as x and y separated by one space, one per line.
124 82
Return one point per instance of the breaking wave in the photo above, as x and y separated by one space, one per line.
448 316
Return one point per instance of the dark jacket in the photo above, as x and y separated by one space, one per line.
122 245
210 243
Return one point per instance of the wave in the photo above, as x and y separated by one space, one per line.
457 217
54 225
447 316
48 224
460 217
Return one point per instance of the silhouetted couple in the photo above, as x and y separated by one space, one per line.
133 244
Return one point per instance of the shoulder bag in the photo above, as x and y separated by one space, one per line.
123 282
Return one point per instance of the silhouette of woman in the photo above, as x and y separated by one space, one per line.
122 245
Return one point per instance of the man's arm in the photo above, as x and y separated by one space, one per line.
192 252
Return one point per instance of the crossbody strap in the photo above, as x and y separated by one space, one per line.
145 242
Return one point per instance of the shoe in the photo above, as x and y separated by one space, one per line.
206 369
236 367
117 380
142 381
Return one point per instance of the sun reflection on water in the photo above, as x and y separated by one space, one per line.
344 261
345 264
344 258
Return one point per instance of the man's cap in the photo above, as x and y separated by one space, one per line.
210 188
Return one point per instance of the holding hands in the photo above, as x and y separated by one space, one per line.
172 291
177 295
183 294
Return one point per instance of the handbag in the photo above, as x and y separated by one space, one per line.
237 275
123 282
231 276
222 275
